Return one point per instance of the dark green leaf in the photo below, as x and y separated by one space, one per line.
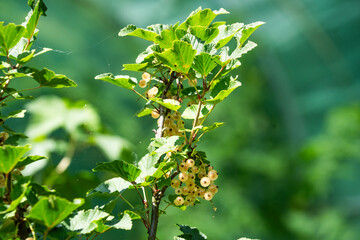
123 169
179 58
131 30
191 233
47 78
4 65
17 194
10 156
123 81
51 210
222 89
10 35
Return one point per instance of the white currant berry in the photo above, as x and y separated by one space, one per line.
213 189
213 175
191 176
190 163
201 174
210 168
185 190
183 167
190 184
208 196
195 169
142 83
183 176
152 92
155 114
175 183
179 201
178 191
205 181
200 192
146 76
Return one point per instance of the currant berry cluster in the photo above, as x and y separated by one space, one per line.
196 179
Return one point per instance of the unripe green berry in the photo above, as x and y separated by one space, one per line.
183 176
205 181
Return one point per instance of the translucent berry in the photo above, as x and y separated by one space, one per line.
200 192
183 176
208 196
201 174
213 175
210 168
183 167
213 189
155 114
190 184
185 190
178 191
190 163
195 169
205 181
146 76
142 83
191 176
175 183
179 201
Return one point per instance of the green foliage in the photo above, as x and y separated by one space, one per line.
185 75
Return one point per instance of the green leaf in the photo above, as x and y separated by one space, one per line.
10 35
132 215
166 38
14 114
158 28
10 156
123 81
171 104
25 56
205 34
226 33
135 67
112 185
201 17
17 194
131 30
238 52
179 58
212 127
204 64
4 65
124 223
84 221
47 78
191 111
144 112
40 3
191 233
222 89
29 159
50 211
147 165
247 31
32 18
123 169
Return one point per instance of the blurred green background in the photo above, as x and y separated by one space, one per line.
289 153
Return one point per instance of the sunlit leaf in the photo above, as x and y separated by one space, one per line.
191 233
201 17
144 112
51 210
204 33
226 33
10 156
123 169
179 58
245 33
135 67
112 185
166 38
131 30
123 81
17 194
223 89
204 64
47 78
27 160
191 111
212 127
10 35
168 103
